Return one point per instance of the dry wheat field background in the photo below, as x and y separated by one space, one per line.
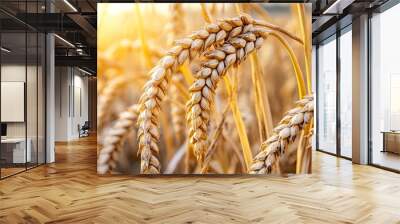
204 88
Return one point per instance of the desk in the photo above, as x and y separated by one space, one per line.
16 147
391 141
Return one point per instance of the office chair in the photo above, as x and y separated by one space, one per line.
84 130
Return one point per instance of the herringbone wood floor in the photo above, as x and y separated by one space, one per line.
70 191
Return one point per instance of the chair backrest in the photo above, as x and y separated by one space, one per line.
86 124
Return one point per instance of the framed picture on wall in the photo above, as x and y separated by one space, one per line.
12 101
213 89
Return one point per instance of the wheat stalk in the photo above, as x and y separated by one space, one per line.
238 118
306 46
303 162
262 106
303 148
286 132
217 133
114 139
296 66
177 112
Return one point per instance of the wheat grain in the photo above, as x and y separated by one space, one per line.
285 133
114 139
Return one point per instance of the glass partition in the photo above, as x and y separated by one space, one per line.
32 95
385 89
22 92
14 153
327 96
33 87
41 110
346 92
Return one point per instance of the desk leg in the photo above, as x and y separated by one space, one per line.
384 143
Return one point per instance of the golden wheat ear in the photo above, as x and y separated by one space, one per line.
284 134
216 63
213 35
113 141
106 98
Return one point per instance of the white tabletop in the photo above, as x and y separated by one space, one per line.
12 140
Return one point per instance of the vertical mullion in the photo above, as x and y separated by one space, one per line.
45 95
37 89
26 86
45 89
338 74
73 93
369 96
317 97
69 92
0 93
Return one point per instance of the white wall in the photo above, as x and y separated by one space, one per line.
62 81
33 127
71 94
12 73
80 110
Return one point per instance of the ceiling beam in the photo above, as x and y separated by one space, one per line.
84 24
337 7
81 61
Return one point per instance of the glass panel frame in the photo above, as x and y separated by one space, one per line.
382 71
326 90
341 89
32 98
345 93
27 59
14 145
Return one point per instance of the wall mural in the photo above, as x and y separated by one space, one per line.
205 88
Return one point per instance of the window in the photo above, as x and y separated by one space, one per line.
385 89
327 96
346 92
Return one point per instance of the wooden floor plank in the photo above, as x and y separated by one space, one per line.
70 191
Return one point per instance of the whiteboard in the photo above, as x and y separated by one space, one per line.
12 101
